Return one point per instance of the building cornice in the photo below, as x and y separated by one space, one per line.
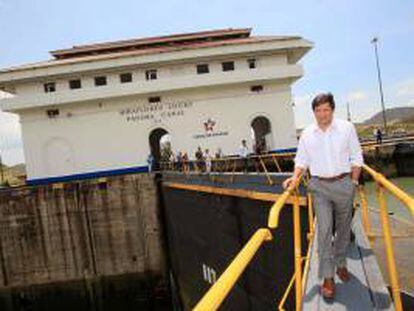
274 73
295 48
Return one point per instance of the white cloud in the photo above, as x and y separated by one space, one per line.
302 110
357 96
405 90
303 100
11 147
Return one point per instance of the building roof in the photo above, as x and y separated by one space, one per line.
151 42
153 45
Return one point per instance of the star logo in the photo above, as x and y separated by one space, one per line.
209 126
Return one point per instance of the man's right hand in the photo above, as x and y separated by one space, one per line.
289 181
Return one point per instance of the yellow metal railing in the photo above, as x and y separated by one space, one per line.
219 290
229 163
383 184
301 281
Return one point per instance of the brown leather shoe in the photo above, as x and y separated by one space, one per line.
343 274
328 289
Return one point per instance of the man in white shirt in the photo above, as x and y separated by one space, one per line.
331 151
243 153
243 150
207 159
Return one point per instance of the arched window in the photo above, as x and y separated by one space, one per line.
160 145
262 131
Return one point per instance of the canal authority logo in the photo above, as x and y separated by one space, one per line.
209 126
209 131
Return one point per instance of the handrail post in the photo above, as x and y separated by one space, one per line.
389 249
298 251
276 163
364 211
310 214
234 169
269 180
226 167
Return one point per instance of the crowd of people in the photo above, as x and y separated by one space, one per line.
203 159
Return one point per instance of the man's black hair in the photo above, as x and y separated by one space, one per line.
322 99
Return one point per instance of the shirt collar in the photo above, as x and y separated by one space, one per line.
333 125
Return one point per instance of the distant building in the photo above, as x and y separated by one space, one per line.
101 109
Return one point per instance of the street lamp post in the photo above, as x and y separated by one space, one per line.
374 41
1 171
348 112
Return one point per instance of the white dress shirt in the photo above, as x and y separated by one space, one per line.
243 151
331 152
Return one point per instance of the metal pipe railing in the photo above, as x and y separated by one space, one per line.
364 211
289 287
382 185
311 237
298 251
218 292
389 250
197 165
407 200
273 219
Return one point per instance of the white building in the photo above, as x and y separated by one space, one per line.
94 109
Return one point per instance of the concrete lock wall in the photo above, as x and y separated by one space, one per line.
80 230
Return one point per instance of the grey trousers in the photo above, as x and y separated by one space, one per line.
332 199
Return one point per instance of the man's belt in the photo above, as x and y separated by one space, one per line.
333 178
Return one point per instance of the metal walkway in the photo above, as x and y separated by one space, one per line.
365 291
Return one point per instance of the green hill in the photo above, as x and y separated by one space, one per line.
393 115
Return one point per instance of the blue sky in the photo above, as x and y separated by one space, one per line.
342 60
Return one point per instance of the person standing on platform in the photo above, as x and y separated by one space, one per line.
172 161
331 151
219 153
199 159
208 158
150 161
379 136
179 161
243 153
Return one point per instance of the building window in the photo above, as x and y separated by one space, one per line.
125 77
151 74
154 99
202 68
256 88
227 66
100 81
75 84
49 87
52 113
252 63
